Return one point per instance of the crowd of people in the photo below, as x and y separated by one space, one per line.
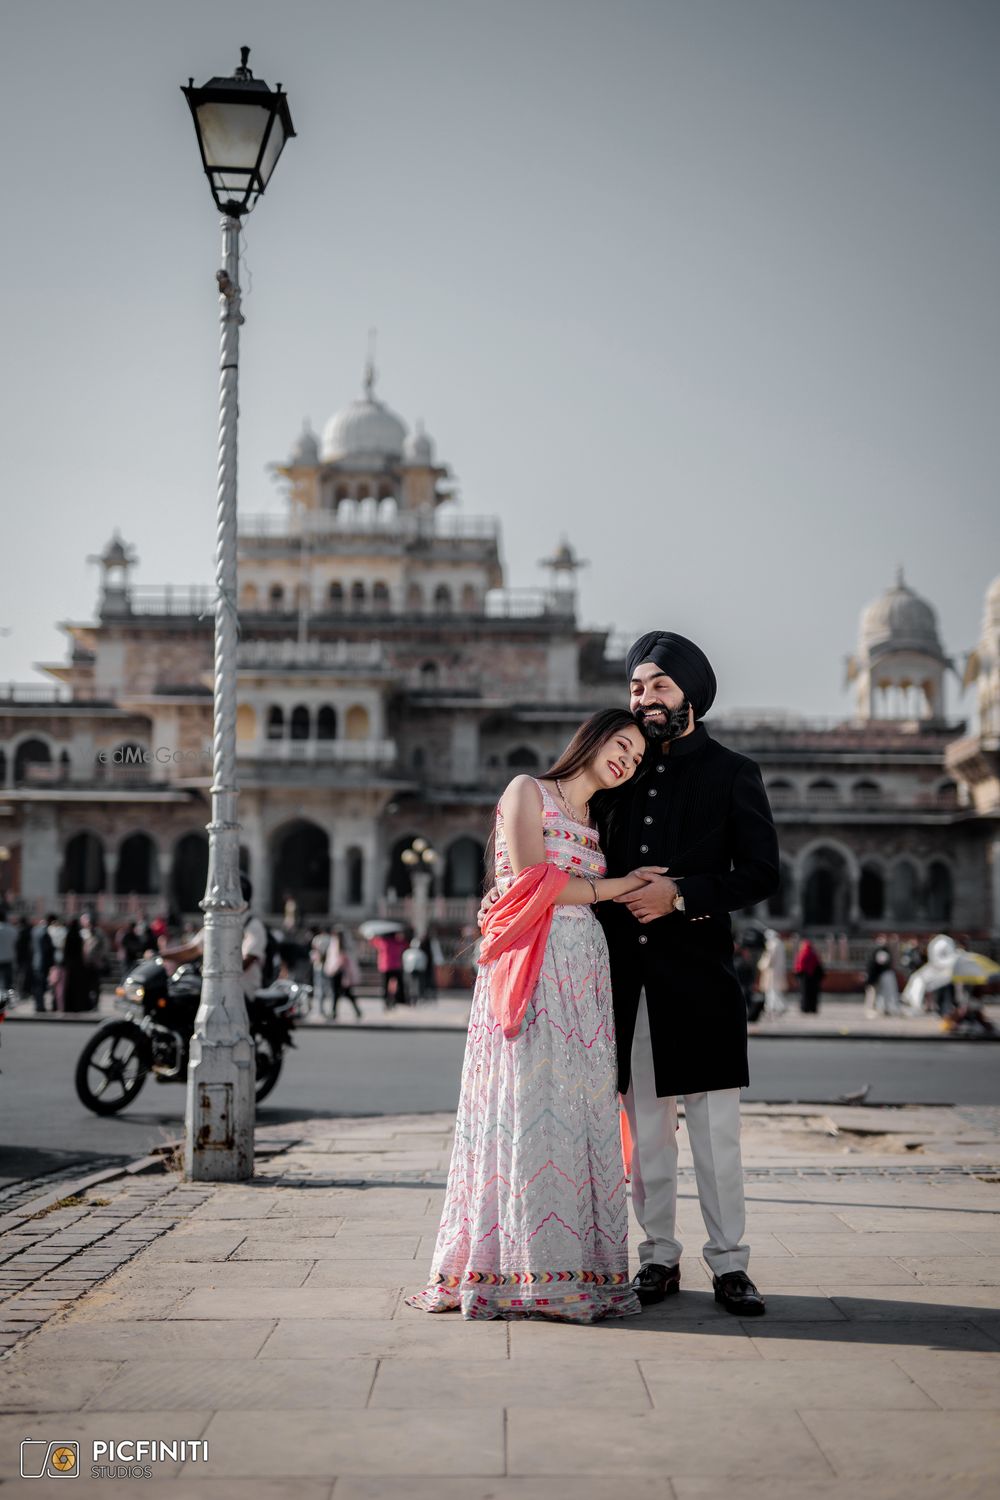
59 963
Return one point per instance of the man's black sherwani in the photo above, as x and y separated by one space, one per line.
702 811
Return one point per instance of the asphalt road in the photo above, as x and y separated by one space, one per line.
43 1126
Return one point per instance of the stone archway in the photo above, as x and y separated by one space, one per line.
189 871
463 874
826 889
83 865
300 867
137 872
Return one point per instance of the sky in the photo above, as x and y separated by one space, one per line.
709 287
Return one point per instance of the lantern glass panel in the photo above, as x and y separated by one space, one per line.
231 135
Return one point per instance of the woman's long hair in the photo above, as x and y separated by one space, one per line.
588 739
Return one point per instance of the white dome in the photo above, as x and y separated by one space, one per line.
419 447
365 431
900 621
305 453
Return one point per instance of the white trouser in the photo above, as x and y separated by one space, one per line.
713 1124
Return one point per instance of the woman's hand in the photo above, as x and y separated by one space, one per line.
646 873
492 895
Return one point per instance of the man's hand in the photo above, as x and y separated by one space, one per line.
655 899
492 895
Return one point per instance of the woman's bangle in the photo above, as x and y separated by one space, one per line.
593 887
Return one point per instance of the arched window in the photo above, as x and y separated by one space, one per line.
523 758
300 722
380 597
463 874
246 723
826 889
428 674
83 865
947 793
276 597
442 600
904 892
414 599
358 597
189 873
871 893
823 789
300 867
326 723
335 598
940 893
780 792
357 723
354 861
779 904
866 791
276 722
30 753
137 872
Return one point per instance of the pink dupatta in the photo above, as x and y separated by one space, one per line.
517 929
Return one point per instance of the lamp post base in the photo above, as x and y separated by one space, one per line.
218 1145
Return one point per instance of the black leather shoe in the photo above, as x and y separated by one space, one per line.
738 1295
653 1283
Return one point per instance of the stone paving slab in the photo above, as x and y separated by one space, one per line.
273 1311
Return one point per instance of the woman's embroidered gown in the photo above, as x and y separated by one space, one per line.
535 1218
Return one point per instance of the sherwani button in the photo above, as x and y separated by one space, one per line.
647 819
643 848
643 939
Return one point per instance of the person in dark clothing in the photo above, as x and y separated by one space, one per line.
42 958
699 810
22 958
72 991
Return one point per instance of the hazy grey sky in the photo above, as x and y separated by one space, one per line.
711 286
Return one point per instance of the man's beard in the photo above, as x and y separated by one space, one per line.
670 727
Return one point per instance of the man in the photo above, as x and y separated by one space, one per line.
254 946
700 811
43 956
8 952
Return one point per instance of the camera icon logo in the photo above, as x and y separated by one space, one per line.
40 1460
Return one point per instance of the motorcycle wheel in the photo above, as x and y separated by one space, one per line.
269 1060
112 1068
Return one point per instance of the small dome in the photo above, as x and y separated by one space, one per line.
419 448
365 431
305 454
900 621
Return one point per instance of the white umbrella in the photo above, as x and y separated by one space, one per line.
379 928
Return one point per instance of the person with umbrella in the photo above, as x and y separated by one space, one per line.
389 941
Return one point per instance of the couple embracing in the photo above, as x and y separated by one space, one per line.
649 826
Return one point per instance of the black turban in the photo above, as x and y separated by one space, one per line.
680 659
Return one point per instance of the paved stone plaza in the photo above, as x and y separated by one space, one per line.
268 1318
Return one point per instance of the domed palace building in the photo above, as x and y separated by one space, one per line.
390 683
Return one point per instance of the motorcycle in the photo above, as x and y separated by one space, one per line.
154 1036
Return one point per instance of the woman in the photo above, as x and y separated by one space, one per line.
809 968
535 1219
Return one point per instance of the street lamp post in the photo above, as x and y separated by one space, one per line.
242 126
420 860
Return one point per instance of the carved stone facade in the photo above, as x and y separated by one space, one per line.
390 685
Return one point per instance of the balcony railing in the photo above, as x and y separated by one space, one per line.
367 655
32 692
528 604
405 525
378 753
